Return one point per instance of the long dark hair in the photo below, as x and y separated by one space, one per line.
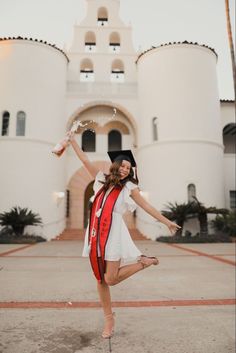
113 178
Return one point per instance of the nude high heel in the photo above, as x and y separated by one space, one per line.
147 261
109 326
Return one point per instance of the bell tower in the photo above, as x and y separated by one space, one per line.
102 49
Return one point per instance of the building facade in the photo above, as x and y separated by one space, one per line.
163 104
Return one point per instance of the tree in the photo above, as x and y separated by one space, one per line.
231 45
178 213
18 218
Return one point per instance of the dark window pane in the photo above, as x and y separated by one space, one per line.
5 123
232 194
20 124
114 141
191 192
89 141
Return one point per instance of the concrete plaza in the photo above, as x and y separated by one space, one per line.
49 303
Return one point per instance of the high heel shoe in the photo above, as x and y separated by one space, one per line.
109 326
147 261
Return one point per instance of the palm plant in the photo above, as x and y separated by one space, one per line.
179 213
18 218
201 211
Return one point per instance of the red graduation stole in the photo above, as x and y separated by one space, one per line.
99 228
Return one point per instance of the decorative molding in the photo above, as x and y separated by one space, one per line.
227 101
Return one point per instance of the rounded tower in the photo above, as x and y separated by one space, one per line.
32 90
180 139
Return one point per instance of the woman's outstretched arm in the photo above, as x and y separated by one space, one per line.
83 157
140 201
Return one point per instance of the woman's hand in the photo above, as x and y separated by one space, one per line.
173 227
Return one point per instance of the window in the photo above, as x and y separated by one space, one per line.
90 42
114 141
86 71
5 123
20 124
117 71
154 129
191 192
89 141
102 17
114 43
229 138
232 195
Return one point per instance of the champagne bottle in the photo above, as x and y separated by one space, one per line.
63 144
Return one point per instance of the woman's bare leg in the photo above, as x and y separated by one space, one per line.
105 297
116 274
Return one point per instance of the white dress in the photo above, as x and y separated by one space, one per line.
120 245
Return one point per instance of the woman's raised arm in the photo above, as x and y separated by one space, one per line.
140 201
83 157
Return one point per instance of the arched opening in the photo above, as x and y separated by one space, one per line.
154 129
77 186
114 42
20 123
114 140
102 19
116 125
229 138
89 141
117 71
191 192
87 203
86 71
84 113
5 123
90 42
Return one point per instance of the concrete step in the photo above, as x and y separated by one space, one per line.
78 234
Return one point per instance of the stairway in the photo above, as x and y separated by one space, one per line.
78 234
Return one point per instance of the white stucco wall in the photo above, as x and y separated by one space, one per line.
178 85
33 80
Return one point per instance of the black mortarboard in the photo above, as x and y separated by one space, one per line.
126 155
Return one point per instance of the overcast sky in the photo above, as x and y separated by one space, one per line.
154 22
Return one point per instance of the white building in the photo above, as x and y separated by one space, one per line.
163 104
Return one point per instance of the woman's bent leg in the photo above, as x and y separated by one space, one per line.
116 274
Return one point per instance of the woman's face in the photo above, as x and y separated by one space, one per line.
124 169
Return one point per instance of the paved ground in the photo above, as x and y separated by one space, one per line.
49 304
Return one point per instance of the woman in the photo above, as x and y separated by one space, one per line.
107 240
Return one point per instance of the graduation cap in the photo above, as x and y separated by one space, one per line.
126 155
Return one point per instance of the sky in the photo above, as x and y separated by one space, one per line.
154 22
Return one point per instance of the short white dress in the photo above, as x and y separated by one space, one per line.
120 245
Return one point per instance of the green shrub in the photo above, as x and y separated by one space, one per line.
18 218
225 223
